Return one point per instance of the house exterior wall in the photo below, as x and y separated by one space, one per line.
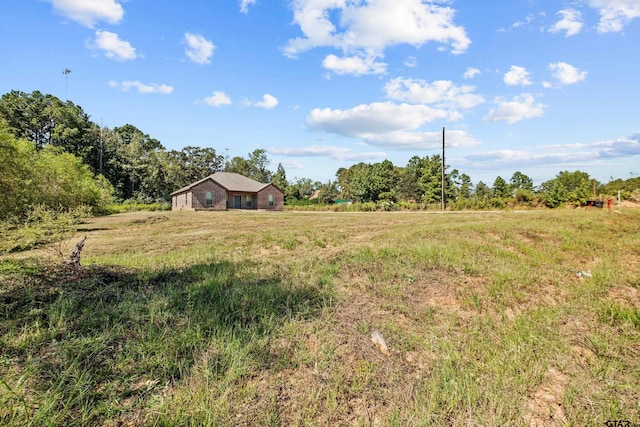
199 197
179 202
278 199
243 196
194 197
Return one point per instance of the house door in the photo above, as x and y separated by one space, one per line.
237 202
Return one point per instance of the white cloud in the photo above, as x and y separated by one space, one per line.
244 5
401 140
217 99
528 20
523 23
199 50
379 117
141 87
441 93
353 65
366 29
621 147
516 109
333 152
88 13
268 102
113 47
291 164
571 22
615 14
387 125
517 76
411 62
566 74
628 146
568 154
471 73
518 158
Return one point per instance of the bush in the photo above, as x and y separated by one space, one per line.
410 205
386 205
41 225
524 196
497 203
49 177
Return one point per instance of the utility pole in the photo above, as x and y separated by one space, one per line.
444 202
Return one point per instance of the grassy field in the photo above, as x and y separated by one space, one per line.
255 318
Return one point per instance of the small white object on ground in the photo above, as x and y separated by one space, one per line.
379 342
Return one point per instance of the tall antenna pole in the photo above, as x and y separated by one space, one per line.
444 202
66 73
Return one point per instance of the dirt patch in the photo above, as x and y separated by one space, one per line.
583 356
625 296
544 407
545 296
341 365
628 204
575 331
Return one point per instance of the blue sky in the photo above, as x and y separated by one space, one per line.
536 86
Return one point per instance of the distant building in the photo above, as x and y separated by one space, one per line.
224 190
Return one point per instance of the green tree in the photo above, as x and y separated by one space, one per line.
194 163
628 188
258 163
17 186
50 177
343 182
46 120
520 181
254 166
368 182
301 189
429 178
407 183
567 187
328 193
465 186
63 180
131 161
482 191
500 188
238 165
280 178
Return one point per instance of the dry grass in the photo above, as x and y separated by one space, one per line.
256 318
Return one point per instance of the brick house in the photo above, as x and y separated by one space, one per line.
224 190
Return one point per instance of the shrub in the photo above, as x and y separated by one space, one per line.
41 225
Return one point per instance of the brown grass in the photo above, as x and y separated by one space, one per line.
485 319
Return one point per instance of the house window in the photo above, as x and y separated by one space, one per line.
270 199
249 200
208 199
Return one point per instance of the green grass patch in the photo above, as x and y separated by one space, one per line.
258 318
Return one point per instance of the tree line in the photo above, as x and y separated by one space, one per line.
52 153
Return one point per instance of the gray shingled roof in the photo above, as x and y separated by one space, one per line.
231 182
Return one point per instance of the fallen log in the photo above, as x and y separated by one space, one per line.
74 258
